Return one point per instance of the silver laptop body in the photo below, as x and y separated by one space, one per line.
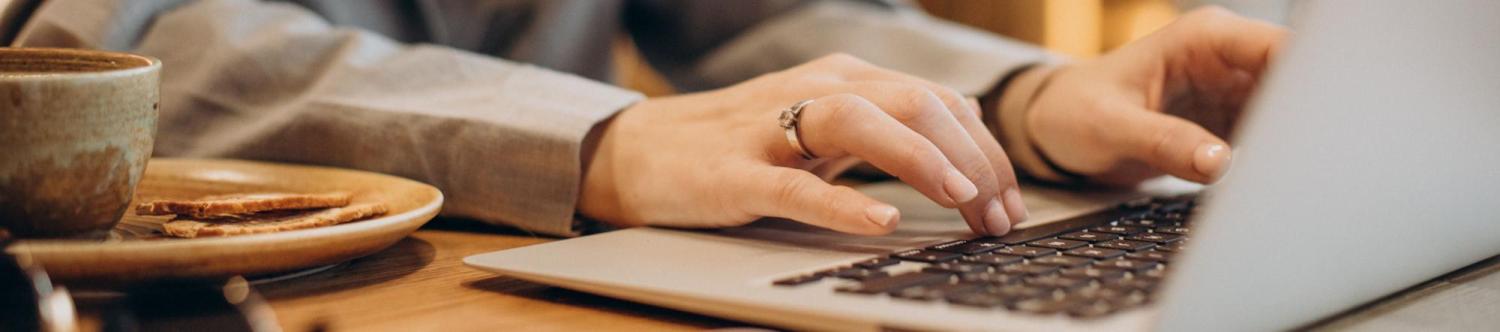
1370 162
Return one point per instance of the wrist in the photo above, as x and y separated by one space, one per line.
1012 105
598 200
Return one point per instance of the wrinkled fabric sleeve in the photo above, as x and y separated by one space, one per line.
892 34
253 80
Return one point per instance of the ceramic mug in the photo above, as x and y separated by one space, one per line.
76 129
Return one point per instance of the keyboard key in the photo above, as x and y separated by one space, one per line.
859 273
949 244
876 263
1122 230
1126 264
926 256
1095 253
1116 295
1090 236
919 293
932 291
987 296
798 280
990 278
896 282
1176 207
957 267
1057 282
829 272
1161 238
1026 251
1174 247
1063 261
1179 230
1149 223
1019 236
1130 284
1152 274
1021 292
1150 255
977 299
1091 309
1133 216
1125 245
1136 204
967 247
993 259
1058 243
1029 269
1089 272
1042 306
1119 298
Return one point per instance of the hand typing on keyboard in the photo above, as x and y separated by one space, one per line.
720 158
1160 105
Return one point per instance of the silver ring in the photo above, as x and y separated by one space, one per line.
791 120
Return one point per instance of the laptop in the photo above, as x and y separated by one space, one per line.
1369 163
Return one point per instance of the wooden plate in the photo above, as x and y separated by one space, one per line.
137 250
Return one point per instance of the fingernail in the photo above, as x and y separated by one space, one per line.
958 187
1211 160
1015 206
995 219
882 215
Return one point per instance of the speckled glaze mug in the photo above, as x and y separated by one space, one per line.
76 129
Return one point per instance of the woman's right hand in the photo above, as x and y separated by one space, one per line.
719 158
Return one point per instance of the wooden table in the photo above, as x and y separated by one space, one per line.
421 284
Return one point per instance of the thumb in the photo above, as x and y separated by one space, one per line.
799 195
1171 144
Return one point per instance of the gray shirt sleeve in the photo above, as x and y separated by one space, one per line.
721 43
252 80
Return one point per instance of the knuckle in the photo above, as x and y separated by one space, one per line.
840 58
979 171
1209 13
1096 118
834 202
1161 139
788 187
918 103
1097 105
1100 115
923 159
956 102
845 107
843 100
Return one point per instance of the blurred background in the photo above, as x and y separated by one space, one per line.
1077 28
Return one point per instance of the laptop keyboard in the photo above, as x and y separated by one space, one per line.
1089 266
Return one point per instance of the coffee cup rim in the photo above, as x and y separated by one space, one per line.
150 63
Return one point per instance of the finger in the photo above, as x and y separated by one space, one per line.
1242 42
988 206
1171 144
1005 173
847 124
798 195
929 115
967 111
